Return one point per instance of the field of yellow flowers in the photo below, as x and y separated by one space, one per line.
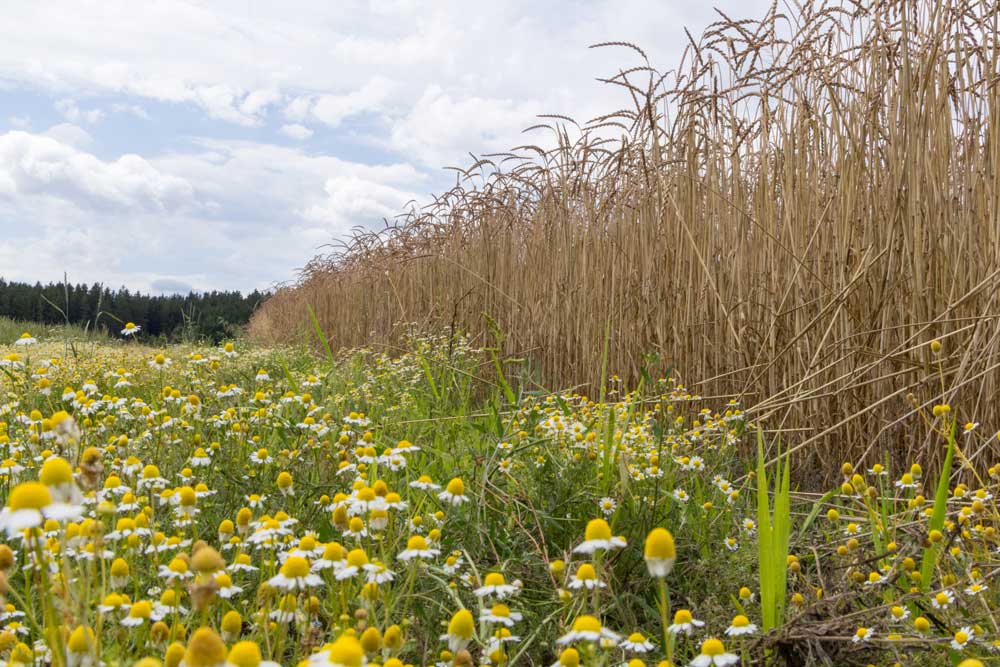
241 506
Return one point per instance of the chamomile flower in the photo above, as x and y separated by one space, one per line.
962 638
636 643
376 572
684 623
247 653
942 599
496 586
204 649
331 558
461 630
417 548
354 564
160 362
976 589
713 654
501 614
227 589
898 613
740 626
346 651
26 339
586 577
138 614
454 493
863 634
598 537
261 457
29 504
588 629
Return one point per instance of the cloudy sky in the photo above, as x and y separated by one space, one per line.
172 145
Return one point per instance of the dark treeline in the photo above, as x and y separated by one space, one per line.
212 315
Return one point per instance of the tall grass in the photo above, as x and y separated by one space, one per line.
791 213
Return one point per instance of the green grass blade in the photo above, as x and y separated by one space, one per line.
940 511
319 334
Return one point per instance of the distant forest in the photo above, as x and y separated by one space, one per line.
206 315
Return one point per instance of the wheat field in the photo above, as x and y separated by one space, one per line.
787 216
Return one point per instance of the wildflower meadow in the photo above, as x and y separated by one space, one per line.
246 506
710 379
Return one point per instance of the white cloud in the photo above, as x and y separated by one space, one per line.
34 165
133 109
258 101
227 214
73 113
334 109
71 135
441 127
298 108
350 199
236 59
296 131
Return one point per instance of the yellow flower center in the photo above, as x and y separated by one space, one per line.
119 568
660 545
569 658
80 639
245 654
682 616
712 647
56 471
347 651
587 624
494 579
232 623
141 609
207 560
462 624
205 649
357 558
29 496
597 529
187 496
295 567
417 543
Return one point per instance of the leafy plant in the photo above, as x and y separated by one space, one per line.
773 533
940 511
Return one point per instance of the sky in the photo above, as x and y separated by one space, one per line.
170 146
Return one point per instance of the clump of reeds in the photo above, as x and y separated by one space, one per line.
792 213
